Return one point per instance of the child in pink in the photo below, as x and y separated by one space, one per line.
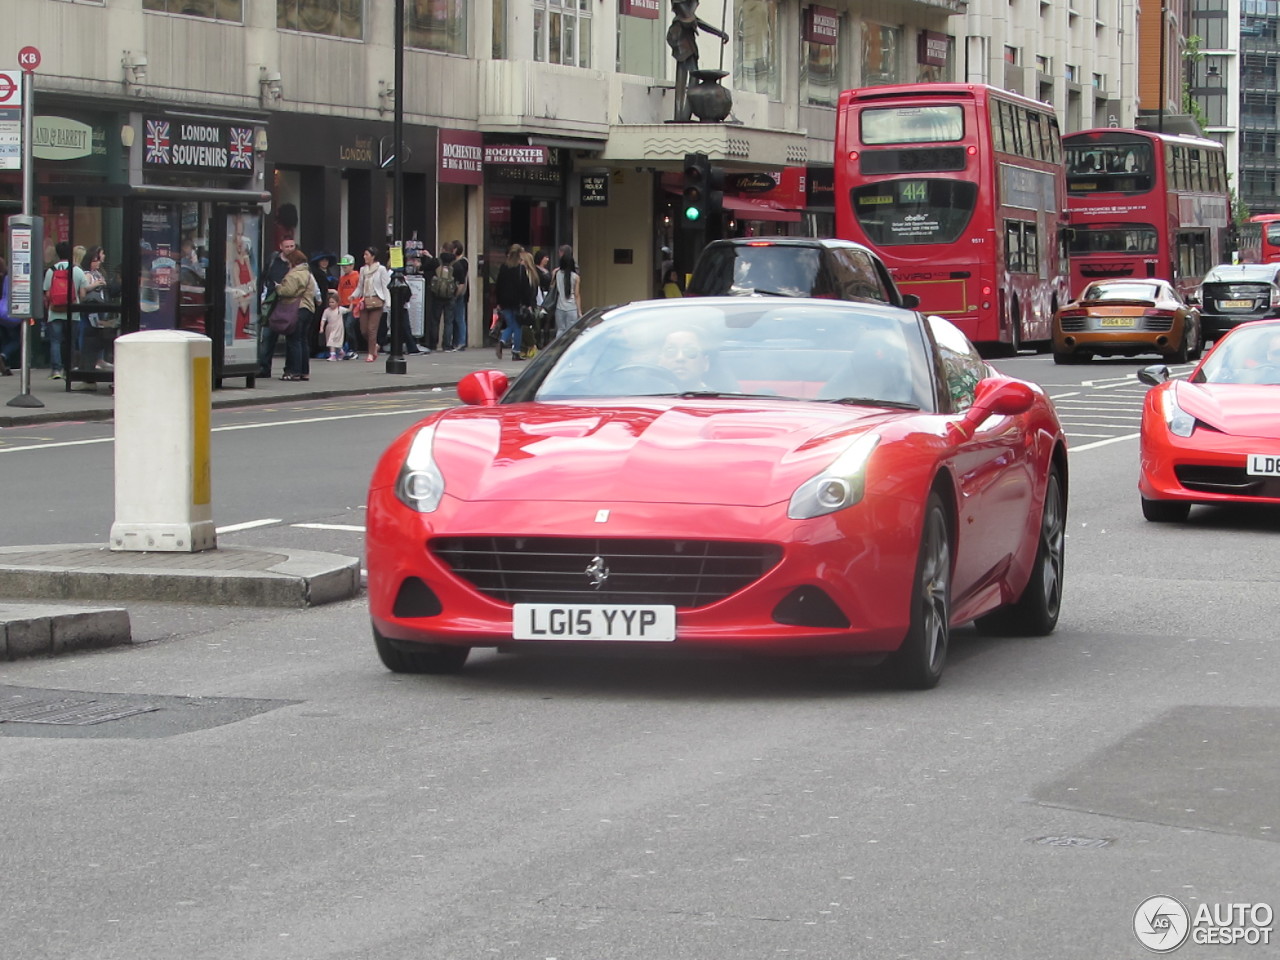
332 328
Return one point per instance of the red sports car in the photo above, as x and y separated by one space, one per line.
1214 437
756 475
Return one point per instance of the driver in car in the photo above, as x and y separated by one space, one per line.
686 358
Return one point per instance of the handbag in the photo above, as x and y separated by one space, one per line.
373 303
549 301
284 315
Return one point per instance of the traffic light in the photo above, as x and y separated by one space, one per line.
697 187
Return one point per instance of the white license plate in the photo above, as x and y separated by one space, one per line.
1264 465
1235 304
571 621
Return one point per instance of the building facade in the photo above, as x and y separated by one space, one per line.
542 122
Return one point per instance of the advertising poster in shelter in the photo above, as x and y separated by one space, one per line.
240 334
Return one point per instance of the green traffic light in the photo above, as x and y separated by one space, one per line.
693 213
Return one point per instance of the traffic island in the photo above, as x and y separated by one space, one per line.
223 576
37 629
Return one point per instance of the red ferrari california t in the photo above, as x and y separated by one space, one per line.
753 475
1214 437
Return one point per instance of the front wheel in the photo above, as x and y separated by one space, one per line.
1035 613
919 661
431 658
1165 511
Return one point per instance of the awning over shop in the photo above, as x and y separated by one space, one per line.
745 208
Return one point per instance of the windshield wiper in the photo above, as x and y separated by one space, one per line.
715 394
870 402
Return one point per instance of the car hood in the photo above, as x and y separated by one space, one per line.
1242 410
712 452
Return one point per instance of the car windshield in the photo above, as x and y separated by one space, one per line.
784 270
762 348
1122 291
1249 354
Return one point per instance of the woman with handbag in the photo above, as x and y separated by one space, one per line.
372 296
93 289
513 291
295 305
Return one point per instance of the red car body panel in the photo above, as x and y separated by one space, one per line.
720 470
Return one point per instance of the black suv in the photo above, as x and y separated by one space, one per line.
794 267
1232 293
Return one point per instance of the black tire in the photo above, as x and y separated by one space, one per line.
918 663
1035 613
1183 353
432 658
1165 511
1197 348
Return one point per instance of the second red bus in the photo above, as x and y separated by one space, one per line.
961 190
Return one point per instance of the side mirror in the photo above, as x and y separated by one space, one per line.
996 396
1154 375
910 301
483 388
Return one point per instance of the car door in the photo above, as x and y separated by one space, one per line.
992 469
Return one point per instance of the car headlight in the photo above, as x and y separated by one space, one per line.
838 486
421 484
1179 422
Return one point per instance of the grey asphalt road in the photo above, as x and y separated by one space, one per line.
288 798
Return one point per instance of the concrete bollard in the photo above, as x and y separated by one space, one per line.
163 472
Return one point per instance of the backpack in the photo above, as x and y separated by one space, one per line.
60 288
443 286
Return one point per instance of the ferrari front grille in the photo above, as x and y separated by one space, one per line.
1227 480
685 573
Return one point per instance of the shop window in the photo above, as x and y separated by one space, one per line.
756 63
820 72
227 11
881 54
562 32
439 25
329 18
642 47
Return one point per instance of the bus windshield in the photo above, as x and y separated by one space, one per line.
895 212
885 125
1109 167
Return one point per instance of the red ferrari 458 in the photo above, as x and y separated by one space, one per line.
1214 437
753 475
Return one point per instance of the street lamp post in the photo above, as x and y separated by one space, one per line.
399 287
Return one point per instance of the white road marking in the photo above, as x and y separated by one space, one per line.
247 525
1103 443
239 426
329 526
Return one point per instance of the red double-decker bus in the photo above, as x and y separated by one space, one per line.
1258 241
960 188
1146 204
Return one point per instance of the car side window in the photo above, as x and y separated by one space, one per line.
962 367
856 277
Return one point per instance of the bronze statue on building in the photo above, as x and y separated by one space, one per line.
682 37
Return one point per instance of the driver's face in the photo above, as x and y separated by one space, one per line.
683 355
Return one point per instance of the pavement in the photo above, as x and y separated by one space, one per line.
47 591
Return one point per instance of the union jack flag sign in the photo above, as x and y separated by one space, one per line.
157 141
241 148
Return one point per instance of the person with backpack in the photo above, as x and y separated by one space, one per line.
443 289
61 281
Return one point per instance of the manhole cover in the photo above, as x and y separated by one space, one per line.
1074 841
74 713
